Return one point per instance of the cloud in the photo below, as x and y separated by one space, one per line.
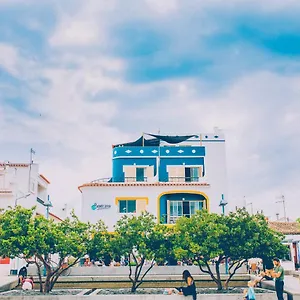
9 58
81 76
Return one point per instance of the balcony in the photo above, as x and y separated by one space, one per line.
184 179
171 219
135 179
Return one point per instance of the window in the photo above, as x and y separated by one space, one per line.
177 209
192 174
140 174
194 206
127 206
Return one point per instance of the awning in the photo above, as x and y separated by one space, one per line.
155 142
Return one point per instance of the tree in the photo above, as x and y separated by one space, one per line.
140 239
238 236
100 243
36 239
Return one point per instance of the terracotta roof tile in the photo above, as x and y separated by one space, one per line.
44 178
106 184
285 227
5 192
14 165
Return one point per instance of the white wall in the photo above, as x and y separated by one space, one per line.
215 176
107 195
215 166
16 180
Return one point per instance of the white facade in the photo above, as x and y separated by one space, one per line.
101 200
21 184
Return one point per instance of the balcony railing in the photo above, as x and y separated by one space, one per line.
184 179
100 180
134 179
171 219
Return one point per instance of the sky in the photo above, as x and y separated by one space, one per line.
79 76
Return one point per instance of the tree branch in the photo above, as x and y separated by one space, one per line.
210 272
130 269
201 268
53 281
141 267
151 266
39 273
239 264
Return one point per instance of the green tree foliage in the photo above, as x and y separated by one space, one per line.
36 239
141 239
100 245
238 236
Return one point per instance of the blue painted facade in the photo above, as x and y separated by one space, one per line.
161 157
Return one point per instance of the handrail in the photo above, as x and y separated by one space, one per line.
107 179
183 179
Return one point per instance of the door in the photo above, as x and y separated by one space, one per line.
187 174
186 209
176 210
140 174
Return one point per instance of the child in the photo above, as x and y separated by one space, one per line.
27 283
249 293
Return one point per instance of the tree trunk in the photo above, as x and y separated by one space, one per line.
219 281
40 276
47 285
133 287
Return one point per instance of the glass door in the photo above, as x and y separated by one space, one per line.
195 205
176 211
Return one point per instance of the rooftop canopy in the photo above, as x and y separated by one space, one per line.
156 139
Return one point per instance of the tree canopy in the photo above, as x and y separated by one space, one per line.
140 238
37 239
238 236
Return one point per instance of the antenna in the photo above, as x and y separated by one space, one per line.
251 203
283 203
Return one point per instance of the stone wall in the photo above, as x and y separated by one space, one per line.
265 296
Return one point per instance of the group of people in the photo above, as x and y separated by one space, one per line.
276 273
25 282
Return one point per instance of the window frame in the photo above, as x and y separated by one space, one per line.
126 206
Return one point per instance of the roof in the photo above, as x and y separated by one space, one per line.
44 178
285 227
5 192
108 184
55 216
14 165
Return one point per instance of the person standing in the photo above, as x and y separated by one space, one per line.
278 274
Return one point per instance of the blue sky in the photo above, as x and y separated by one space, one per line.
78 76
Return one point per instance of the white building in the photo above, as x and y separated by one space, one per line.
22 184
168 176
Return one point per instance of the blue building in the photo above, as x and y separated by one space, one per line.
169 176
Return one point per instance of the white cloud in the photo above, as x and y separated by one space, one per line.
163 7
257 112
9 58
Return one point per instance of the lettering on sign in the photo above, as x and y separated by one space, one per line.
96 206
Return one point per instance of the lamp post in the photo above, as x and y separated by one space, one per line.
223 203
47 204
